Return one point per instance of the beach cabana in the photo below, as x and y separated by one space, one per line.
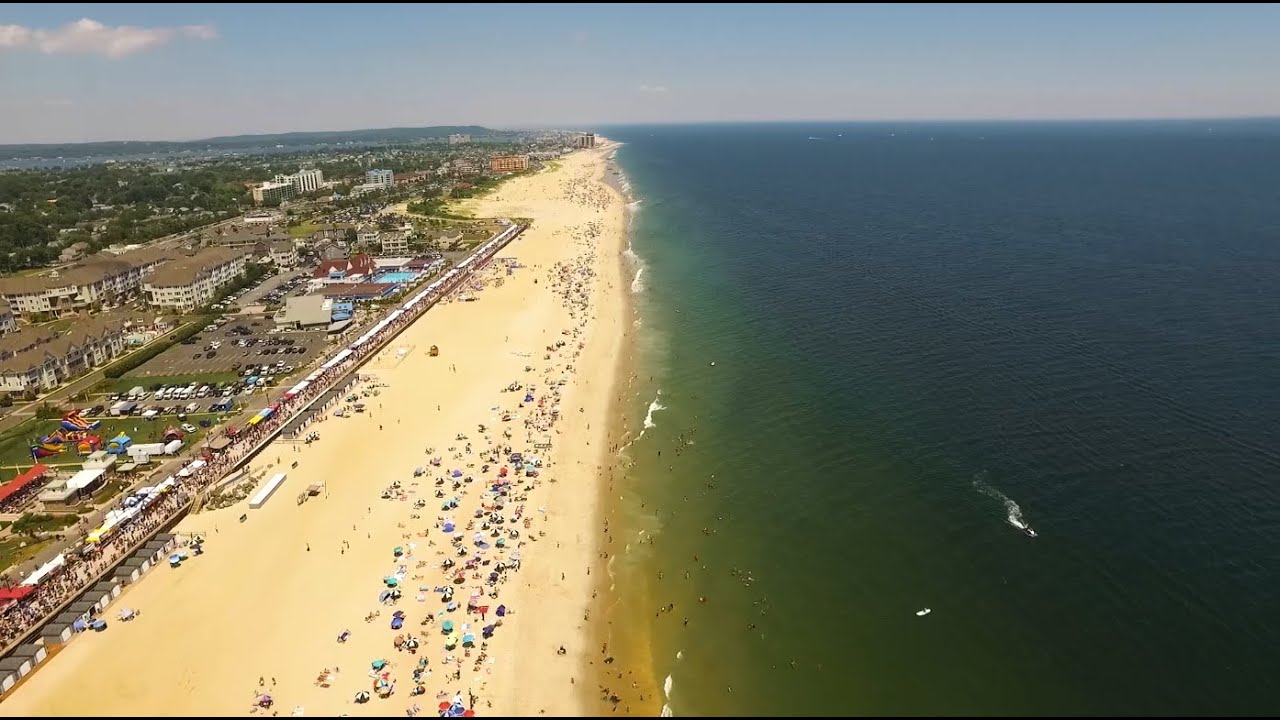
13 669
32 651
84 607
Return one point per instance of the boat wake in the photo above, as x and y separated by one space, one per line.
1012 510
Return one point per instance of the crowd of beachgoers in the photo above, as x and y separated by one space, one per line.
87 561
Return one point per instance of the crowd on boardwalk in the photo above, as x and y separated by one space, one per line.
84 563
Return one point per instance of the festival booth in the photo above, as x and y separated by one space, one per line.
34 474
43 571
33 652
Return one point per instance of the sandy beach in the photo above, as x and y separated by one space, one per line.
261 611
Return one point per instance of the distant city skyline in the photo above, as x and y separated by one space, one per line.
82 73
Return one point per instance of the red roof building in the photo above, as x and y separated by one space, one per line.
346 267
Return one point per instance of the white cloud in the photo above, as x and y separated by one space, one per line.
652 89
90 37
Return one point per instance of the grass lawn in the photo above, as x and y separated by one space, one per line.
14 446
11 552
46 522
303 230
62 325
127 383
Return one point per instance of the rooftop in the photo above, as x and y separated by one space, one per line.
186 270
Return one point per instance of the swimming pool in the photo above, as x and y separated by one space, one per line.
398 278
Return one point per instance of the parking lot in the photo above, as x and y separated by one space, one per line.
245 340
271 289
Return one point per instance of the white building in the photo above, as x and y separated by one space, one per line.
36 358
97 282
394 242
191 282
379 178
303 181
276 190
284 253
459 139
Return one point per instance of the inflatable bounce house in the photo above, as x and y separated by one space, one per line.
119 445
75 432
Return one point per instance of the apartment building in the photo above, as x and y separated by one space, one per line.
379 179
7 321
394 242
98 282
508 163
36 360
284 253
272 191
459 139
191 282
585 141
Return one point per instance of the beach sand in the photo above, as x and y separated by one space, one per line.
260 611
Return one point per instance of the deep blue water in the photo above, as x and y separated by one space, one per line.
921 332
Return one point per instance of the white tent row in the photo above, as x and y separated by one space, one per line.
41 572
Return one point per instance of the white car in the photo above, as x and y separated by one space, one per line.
188 428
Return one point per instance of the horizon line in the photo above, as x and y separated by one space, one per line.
862 121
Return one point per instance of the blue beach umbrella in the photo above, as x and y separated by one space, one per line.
448 527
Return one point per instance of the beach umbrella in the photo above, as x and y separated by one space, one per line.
378 664
444 706
487 631
468 713
469 639
391 580
502 542
447 626
502 611
448 527
456 473
398 551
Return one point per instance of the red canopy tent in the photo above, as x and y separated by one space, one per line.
36 472
15 593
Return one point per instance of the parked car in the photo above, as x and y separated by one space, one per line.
188 427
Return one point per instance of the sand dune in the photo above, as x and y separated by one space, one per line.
270 595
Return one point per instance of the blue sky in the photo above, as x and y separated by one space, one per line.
188 71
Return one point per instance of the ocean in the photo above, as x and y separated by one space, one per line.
955 418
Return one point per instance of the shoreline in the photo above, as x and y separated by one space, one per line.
645 698
269 607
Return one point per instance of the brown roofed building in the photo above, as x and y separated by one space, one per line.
190 282
99 281
38 359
